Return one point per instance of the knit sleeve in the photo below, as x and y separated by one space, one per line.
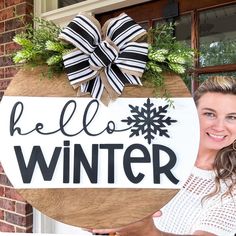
219 219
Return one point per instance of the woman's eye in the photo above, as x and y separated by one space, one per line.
209 114
231 118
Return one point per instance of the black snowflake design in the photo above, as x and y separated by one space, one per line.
147 120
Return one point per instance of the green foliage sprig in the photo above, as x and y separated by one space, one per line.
41 46
166 54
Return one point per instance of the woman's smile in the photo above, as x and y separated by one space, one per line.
216 137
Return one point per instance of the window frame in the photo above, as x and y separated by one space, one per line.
62 16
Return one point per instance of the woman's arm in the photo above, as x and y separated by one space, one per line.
144 227
197 233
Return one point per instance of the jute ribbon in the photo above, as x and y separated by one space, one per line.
106 58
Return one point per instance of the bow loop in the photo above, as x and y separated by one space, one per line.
84 32
124 29
132 58
77 68
102 67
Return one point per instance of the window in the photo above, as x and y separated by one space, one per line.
183 29
218 36
208 26
64 3
217 42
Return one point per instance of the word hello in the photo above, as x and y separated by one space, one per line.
67 111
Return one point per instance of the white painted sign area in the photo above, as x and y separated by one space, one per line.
51 142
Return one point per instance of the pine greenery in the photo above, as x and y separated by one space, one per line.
40 46
166 54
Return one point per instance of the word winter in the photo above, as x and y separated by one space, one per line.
91 164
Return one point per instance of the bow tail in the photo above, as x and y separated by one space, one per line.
95 87
97 90
116 80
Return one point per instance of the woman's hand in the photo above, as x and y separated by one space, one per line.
140 228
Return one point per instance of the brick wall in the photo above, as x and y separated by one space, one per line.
15 214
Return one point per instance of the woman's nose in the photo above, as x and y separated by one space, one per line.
219 124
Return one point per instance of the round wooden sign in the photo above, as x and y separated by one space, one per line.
89 205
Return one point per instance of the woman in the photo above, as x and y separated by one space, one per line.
206 205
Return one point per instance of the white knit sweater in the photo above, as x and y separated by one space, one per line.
186 213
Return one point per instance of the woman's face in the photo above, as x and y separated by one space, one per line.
217 115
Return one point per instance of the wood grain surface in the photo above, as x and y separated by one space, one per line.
96 208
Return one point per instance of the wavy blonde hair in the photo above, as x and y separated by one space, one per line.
225 161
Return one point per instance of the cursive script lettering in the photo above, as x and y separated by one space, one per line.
69 109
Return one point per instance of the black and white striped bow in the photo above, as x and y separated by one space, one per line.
105 58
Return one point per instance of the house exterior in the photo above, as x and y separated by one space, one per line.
15 214
206 25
